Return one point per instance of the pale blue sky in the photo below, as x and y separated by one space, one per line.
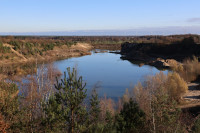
73 15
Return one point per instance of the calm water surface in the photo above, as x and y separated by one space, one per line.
107 71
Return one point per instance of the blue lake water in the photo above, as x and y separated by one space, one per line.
111 74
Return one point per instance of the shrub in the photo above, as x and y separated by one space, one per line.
190 69
176 86
1 57
48 47
9 104
4 49
16 44
7 57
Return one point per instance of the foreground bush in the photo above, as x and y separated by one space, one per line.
156 98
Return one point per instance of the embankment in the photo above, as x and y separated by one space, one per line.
64 51
161 55
16 63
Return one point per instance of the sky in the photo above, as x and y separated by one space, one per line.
99 17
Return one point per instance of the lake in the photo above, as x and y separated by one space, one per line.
111 74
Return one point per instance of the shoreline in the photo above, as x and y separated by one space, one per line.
21 65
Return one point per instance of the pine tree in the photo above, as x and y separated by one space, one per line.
94 108
94 113
109 125
131 118
66 106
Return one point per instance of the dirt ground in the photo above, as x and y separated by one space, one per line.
192 97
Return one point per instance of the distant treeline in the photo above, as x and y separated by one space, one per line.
100 39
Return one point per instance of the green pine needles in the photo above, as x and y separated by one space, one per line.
65 109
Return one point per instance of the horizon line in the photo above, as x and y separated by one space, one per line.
170 30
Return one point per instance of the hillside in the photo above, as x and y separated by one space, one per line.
161 54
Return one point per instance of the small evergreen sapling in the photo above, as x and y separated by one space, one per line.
66 106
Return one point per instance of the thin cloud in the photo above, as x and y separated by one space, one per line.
193 20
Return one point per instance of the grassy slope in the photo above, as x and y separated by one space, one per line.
16 62
30 54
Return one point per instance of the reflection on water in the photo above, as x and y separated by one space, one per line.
107 71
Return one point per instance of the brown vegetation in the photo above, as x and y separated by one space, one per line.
21 64
3 125
176 86
189 70
37 89
19 56
99 39
158 97
8 105
107 104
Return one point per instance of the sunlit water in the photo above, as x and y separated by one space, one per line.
107 71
